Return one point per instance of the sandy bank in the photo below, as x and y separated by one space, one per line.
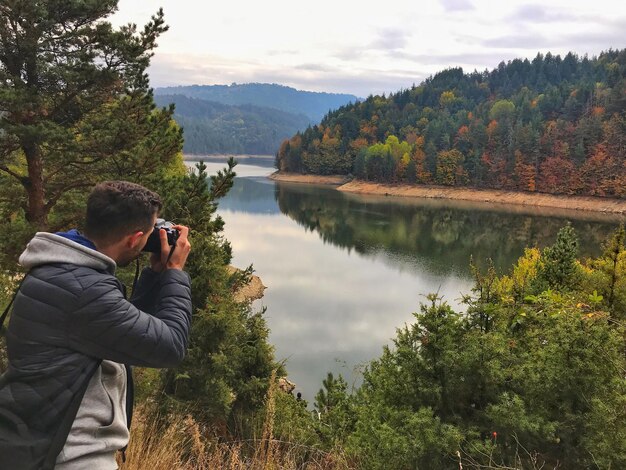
488 196
335 180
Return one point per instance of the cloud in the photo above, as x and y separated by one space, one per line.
349 53
316 67
390 39
457 5
275 52
472 59
526 40
386 40
588 37
540 14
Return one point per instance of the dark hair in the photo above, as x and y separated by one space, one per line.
118 208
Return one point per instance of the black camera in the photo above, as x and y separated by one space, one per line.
153 245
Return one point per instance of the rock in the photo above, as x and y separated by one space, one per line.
251 291
286 385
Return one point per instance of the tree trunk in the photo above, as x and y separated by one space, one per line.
36 212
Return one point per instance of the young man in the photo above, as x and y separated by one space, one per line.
66 398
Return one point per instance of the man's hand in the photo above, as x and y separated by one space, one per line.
159 262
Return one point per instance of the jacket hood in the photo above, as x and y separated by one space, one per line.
48 248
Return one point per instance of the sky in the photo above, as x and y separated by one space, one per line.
364 47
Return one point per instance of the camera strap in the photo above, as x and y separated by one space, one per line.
5 314
132 290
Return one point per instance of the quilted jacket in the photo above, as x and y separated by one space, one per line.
69 315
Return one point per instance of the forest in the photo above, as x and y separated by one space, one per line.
551 124
216 128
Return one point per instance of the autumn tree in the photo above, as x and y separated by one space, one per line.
450 171
76 103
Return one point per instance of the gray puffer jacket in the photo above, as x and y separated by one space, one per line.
69 315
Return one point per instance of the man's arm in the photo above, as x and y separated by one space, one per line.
110 327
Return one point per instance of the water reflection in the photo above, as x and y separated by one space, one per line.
344 271
430 234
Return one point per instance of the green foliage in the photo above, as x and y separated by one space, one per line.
502 109
294 423
518 381
90 111
335 410
392 437
225 375
560 268
608 274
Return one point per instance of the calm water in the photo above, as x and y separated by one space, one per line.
344 271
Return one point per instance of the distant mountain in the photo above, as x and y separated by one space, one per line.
312 104
211 127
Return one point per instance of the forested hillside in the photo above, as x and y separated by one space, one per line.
212 127
554 124
312 104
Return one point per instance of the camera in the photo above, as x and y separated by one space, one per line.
153 245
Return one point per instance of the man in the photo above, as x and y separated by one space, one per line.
66 398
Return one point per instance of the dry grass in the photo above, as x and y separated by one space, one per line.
168 443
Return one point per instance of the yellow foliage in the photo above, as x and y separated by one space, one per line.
524 271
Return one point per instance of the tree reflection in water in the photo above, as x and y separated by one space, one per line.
440 236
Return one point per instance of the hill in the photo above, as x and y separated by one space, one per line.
211 128
312 104
554 125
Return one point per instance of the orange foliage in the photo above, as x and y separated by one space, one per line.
359 143
597 111
369 132
600 175
491 128
411 137
525 173
421 172
558 176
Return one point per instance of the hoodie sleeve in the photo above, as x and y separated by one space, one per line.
108 326
146 291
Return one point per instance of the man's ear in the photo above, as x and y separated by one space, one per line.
132 240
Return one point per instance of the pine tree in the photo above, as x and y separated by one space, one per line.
76 103
559 262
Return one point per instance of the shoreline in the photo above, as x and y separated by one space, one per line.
489 196
331 180
225 156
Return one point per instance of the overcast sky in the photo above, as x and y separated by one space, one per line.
364 47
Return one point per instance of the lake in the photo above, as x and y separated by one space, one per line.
343 271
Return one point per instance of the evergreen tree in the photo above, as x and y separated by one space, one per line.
75 100
226 373
560 268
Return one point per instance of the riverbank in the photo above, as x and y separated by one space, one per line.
489 196
334 180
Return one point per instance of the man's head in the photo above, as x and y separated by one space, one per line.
120 217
